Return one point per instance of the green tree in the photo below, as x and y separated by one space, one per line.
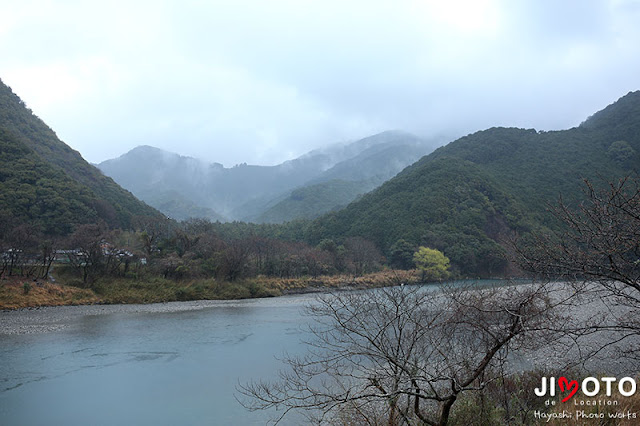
402 254
433 264
622 153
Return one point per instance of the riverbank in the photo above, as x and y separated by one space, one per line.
21 293
16 294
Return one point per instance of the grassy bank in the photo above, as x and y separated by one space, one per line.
16 293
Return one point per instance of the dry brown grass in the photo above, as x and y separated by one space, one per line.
333 282
20 293
13 293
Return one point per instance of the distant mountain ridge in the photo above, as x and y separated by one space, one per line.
170 182
248 192
345 181
45 183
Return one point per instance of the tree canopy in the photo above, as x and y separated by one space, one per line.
433 264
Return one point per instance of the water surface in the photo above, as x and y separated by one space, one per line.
147 368
164 364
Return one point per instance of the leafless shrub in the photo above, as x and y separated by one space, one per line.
404 354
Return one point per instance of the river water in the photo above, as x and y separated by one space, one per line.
172 364
163 364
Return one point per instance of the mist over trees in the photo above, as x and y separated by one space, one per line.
305 187
465 199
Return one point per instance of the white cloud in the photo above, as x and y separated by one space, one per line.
260 82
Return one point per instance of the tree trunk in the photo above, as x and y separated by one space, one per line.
445 411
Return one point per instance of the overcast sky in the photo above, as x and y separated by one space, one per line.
264 81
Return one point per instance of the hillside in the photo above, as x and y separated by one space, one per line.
174 184
252 193
174 204
345 181
468 197
45 183
312 201
380 162
155 176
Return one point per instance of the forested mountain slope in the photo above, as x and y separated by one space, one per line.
179 186
348 179
468 197
47 184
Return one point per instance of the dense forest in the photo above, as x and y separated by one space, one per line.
311 201
468 200
48 185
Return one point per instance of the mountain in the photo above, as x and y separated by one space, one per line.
348 179
45 183
309 202
468 197
384 156
175 205
252 193
156 176
174 184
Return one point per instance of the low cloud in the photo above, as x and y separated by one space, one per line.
262 82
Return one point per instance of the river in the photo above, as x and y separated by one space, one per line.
162 364
168 364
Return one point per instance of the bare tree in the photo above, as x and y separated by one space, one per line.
601 241
208 245
88 254
184 240
363 254
152 230
598 251
233 259
22 252
402 354
47 256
